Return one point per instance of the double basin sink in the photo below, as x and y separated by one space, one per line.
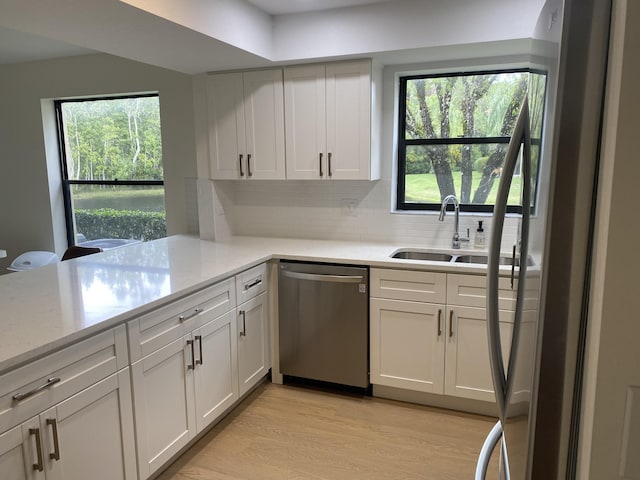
425 255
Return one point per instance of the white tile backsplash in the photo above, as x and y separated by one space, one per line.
312 209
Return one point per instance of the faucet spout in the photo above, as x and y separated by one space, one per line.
455 241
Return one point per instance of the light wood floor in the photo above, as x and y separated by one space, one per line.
284 432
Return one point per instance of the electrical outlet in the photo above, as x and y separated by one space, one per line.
348 207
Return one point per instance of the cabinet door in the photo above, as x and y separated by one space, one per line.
216 373
18 452
264 124
90 435
468 372
305 122
348 90
163 402
225 111
253 342
407 345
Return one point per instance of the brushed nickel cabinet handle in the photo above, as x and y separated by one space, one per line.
329 163
55 455
320 164
199 340
195 312
243 333
439 321
21 396
450 323
40 465
240 161
193 354
249 174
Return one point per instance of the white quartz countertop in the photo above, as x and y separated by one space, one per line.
48 308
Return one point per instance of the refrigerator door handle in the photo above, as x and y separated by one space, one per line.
502 381
489 445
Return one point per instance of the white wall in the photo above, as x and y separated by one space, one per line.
613 356
401 25
29 199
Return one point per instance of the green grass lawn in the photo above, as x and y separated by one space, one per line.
423 188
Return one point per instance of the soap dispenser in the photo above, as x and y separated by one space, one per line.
479 238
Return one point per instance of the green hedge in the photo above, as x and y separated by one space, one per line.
110 223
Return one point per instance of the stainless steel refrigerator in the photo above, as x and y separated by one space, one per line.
535 436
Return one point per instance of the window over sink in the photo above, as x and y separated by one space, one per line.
111 161
453 133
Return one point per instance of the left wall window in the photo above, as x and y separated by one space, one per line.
112 176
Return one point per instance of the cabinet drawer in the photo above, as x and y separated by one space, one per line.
28 390
167 324
251 283
471 291
409 285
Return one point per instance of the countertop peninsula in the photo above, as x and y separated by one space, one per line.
46 309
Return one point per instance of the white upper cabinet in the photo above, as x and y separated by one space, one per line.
328 119
246 125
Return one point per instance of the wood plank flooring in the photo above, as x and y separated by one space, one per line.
285 432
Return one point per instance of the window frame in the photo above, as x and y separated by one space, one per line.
403 143
66 182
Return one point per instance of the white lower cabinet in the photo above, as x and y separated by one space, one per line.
89 435
253 342
406 350
434 347
467 368
181 388
164 405
216 372
193 360
253 327
68 415
183 363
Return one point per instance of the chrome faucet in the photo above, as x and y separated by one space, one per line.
455 242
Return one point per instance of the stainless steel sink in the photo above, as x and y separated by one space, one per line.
482 259
422 255
426 255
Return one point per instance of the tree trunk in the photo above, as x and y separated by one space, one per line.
438 154
493 167
475 87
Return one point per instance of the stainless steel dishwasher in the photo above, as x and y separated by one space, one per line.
324 322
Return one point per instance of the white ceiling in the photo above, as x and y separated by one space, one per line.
19 46
283 7
194 36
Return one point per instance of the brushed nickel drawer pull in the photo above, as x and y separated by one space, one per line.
193 355
249 286
199 340
195 312
18 397
56 445
40 465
